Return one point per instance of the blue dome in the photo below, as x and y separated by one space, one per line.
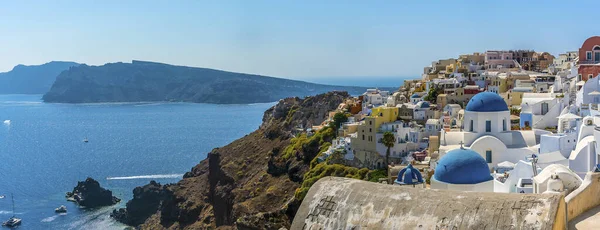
462 166
409 175
423 104
486 102
414 96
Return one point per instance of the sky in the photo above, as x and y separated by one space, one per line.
291 39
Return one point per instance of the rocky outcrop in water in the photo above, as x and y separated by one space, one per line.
89 194
246 184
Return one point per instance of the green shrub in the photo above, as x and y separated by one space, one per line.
323 170
376 174
309 146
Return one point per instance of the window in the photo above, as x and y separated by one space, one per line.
471 126
488 156
579 77
488 126
370 122
588 55
503 124
590 76
363 137
370 130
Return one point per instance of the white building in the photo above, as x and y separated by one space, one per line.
416 98
409 138
420 110
540 110
374 98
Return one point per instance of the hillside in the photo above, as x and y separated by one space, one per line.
149 81
33 79
255 182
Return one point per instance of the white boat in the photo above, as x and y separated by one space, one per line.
61 209
85 140
13 221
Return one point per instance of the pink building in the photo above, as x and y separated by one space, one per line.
589 58
497 59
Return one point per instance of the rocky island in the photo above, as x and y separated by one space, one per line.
255 182
89 194
149 81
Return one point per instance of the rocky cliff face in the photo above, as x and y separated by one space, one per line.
246 184
146 200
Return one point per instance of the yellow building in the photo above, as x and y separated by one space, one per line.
514 98
384 114
365 142
452 67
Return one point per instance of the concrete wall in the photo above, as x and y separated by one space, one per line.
487 186
343 203
585 197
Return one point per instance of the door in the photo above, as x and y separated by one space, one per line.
544 108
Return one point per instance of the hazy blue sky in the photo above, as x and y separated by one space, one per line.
300 39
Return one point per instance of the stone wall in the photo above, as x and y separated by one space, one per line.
343 203
585 197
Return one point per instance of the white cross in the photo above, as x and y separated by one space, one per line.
461 144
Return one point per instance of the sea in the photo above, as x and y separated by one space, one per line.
43 155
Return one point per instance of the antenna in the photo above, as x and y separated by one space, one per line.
13 203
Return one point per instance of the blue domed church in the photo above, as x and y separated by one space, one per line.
464 170
486 132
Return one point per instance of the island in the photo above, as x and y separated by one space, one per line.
32 79
143 81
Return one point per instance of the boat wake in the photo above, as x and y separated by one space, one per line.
157 176
50 219
2 212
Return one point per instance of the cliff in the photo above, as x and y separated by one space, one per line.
248 184
34 79
149 81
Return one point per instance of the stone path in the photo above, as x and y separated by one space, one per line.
587 220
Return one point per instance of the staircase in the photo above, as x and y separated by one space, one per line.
550 111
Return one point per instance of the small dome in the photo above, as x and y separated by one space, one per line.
486 102
423 104
462 166
414 96
409 175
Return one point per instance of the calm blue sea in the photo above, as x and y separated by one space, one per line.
42 154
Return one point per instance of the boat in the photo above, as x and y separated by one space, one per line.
85 140
13 221
61 209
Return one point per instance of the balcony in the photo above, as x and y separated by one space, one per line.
589 62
